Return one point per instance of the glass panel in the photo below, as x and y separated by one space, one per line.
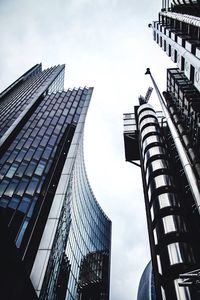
30 169
3 202
29 154
52 140
36 142
4 170
24 204
44 141
38 153
3 186
10 189
32 187
14 203
47 153
28 142
40 168
21 234
20 170
21 188
20 156
11 171
30 212
12 156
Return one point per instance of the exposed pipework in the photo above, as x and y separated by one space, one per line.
185 161
168 225
186 141
165 4
192 20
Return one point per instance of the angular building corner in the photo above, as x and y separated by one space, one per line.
55 238
166 146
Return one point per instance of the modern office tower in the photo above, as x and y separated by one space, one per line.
146 290
55 238
177 31
172 216
168 149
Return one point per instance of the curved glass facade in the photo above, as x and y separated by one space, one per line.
89 236
146 290
26 90
57 228
83 230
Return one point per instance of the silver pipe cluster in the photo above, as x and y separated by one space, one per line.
186 141
185 161
165 4
192 20
169 228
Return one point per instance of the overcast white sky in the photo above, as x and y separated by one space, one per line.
106 44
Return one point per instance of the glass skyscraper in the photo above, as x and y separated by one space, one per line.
146 290
166 145
51 220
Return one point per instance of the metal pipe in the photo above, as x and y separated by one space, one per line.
194 185
192 20
191 154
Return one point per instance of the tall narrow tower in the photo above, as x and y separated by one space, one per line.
167 146
177 32
55 239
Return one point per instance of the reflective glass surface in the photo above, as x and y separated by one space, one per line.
90 229
30 171
12 104
31 155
